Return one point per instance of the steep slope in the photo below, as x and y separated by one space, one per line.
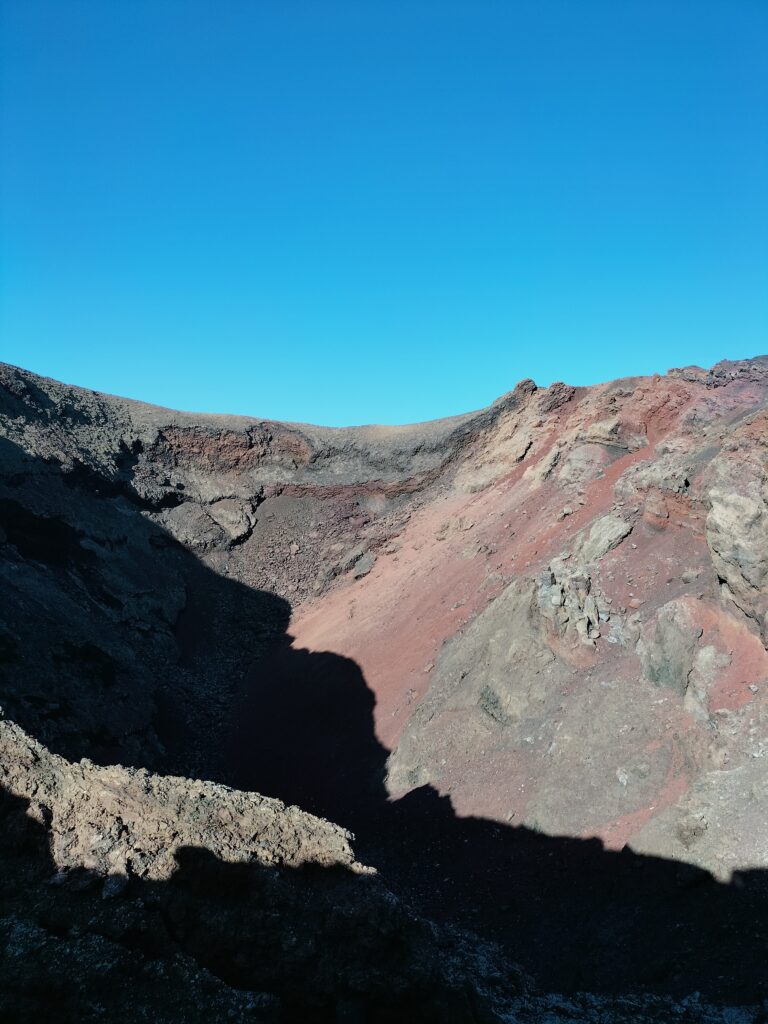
580 644
526 662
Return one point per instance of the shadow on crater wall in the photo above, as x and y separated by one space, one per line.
576 916
116 642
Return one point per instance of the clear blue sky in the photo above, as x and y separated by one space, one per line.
382 211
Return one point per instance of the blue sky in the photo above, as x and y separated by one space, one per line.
392 211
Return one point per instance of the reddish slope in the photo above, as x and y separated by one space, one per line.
602 740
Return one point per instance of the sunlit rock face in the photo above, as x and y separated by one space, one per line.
545 621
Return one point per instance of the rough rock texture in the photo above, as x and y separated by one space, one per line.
124 821
526 664
128 896
737 522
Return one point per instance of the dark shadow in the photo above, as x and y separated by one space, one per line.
116 642
304 732
119 644
576 916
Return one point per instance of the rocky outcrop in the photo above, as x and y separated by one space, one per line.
567 600
166 883
123 822
603 536
667 646
737 522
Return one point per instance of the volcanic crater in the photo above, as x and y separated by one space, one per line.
463 721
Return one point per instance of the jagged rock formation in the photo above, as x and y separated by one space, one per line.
546 619
122 822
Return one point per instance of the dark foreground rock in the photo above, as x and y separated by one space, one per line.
128 896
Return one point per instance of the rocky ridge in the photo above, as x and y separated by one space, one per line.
128 896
